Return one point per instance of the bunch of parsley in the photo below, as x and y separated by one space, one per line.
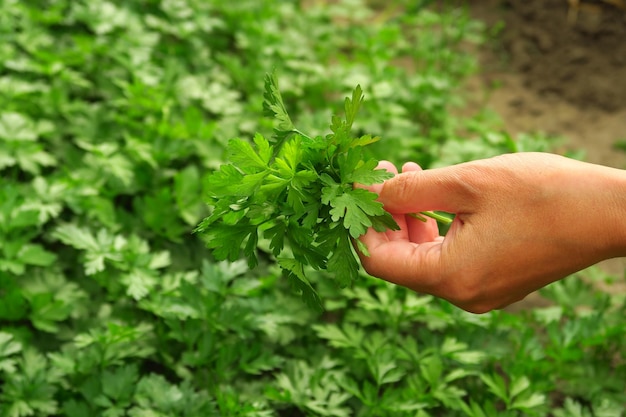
297 192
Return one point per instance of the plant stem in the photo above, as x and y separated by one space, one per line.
440 218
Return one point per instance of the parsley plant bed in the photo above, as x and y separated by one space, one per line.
298 192
115 117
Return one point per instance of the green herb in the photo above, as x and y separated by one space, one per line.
295 189
297 192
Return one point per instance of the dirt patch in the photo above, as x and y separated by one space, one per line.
562 71
578 54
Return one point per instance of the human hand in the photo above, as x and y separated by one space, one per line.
522 221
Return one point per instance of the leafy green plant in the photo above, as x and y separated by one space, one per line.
115 114
298 193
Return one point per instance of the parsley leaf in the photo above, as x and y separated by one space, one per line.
273 106
297 192
355 208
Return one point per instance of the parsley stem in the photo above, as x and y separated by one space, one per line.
432 215
302 134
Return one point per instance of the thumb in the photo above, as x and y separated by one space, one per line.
446 189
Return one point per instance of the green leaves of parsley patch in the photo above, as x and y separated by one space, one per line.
297 192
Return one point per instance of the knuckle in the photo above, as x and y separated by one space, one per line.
467 183
478 308
405 185
467 291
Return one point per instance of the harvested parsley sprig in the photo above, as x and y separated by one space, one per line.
297 192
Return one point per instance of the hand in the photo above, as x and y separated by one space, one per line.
522 221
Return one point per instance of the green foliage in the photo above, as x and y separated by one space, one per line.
297 192
115 119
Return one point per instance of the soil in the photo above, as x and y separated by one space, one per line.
560 70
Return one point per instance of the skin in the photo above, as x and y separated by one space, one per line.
522 221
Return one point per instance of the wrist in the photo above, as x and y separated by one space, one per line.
612 214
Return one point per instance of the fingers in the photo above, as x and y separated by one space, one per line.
410 257
411 229
384 165
416 266
388 235
447 189
418 230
